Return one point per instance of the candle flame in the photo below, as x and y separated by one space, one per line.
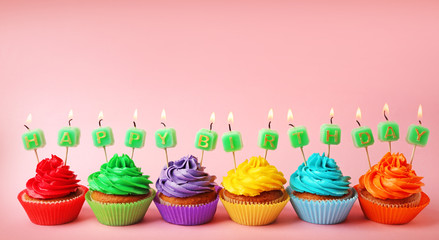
212 118
358 115
163 116
230 118
135 115
420 112
270 114
71 114
386 108
290 116
101 115
331 113
29 119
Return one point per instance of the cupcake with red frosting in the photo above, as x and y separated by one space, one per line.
53 196
390 192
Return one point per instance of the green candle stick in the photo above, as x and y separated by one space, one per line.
232 140
33 139
68 136
362 136
268 138
417 135
298 135
135 137
165 137
103 136
388 131
330 133
206 139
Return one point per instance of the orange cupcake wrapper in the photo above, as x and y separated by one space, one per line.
53 213
253 214
391 215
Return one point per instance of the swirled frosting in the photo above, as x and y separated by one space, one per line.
119 176
320 176
184 178
53 180
253 177
391 178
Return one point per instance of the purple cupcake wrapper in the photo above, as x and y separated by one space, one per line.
188 216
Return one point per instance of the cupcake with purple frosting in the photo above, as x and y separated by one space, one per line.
187 195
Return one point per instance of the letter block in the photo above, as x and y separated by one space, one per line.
232 141
33 139
103 136
330 134
417 135
206 140
69 137
362 137
166 138
298 136
388 131
135 138
268 139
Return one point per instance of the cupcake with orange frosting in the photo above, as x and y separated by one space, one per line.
319 191
53 196
390 192
253 193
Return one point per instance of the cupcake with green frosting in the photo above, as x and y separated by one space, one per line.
119 193
319 192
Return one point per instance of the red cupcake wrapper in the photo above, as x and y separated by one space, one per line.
391 215
53 213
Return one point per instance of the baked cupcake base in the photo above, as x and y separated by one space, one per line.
53 211
388 214
254 214
187 215
120 214
323 211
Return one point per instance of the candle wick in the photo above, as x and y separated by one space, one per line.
330 120
385 116
358 123
100 124
163 124
292 125
269 125
230 127
26 127
420 123
211 124
70 124
134 122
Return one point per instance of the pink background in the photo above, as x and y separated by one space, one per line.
194 58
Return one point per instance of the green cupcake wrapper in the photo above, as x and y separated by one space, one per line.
120 214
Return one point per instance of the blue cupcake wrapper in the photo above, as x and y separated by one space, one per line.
323 212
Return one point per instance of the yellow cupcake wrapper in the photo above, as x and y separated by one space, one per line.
254 214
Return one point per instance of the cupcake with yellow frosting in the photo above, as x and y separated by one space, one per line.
390 192
253 194
319 191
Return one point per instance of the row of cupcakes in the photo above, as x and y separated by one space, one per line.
253 193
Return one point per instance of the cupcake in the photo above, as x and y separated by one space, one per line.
187 195
390 192
253 194
119 193
53 196
319 192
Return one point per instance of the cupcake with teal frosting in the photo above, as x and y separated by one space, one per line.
319 192
119 193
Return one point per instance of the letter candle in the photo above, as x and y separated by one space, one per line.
232 140
388 131
69 136
206 139
417 135
165 137
33 139
362 136
135 137
268 138
330 133
298 135
102 136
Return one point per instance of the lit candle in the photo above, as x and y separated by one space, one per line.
102 136
69 136
206 138
298 135
135 137
165 137
362 136
330 133
268 138
232 140
33 139
388 131
417 135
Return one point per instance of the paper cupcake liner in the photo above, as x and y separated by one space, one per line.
53 213
407 205
230 200
391 215
120 214
187 215
323 212
253 214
